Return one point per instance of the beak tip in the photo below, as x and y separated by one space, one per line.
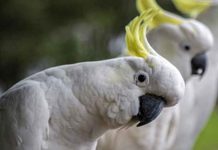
150 108
199 64
199 71
140 124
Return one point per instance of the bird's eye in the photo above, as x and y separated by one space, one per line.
141 78
187 47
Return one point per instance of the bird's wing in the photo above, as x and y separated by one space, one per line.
23 117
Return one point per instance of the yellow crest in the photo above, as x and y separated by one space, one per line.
136 30
192 7
161 17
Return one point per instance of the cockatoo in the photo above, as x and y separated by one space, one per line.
69 107
199 108
180 41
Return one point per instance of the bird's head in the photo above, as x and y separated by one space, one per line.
184 42
184 45
132 89
139 86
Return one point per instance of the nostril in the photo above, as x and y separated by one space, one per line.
198 64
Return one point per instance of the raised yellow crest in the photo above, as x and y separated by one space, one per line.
161 17
192 7
136 30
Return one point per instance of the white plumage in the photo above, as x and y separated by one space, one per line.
69 107
205 92
169 40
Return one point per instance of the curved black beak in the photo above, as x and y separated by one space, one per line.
150 107
199 64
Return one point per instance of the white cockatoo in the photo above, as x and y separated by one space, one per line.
198 109
69 107
180 41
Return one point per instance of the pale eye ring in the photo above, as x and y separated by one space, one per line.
141 79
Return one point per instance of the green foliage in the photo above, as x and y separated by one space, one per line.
208 139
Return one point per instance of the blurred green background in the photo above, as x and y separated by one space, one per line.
37 34
208 139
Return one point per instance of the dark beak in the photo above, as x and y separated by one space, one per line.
150 107
199 64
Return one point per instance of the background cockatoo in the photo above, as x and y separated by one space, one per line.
198 110
69 107
180 41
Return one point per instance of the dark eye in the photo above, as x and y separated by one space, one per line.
187 47
141 78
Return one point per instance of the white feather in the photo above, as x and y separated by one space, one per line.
205 92
69 107
168 40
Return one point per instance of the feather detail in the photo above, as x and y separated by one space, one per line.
162 17
131 123
193 8
136 40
